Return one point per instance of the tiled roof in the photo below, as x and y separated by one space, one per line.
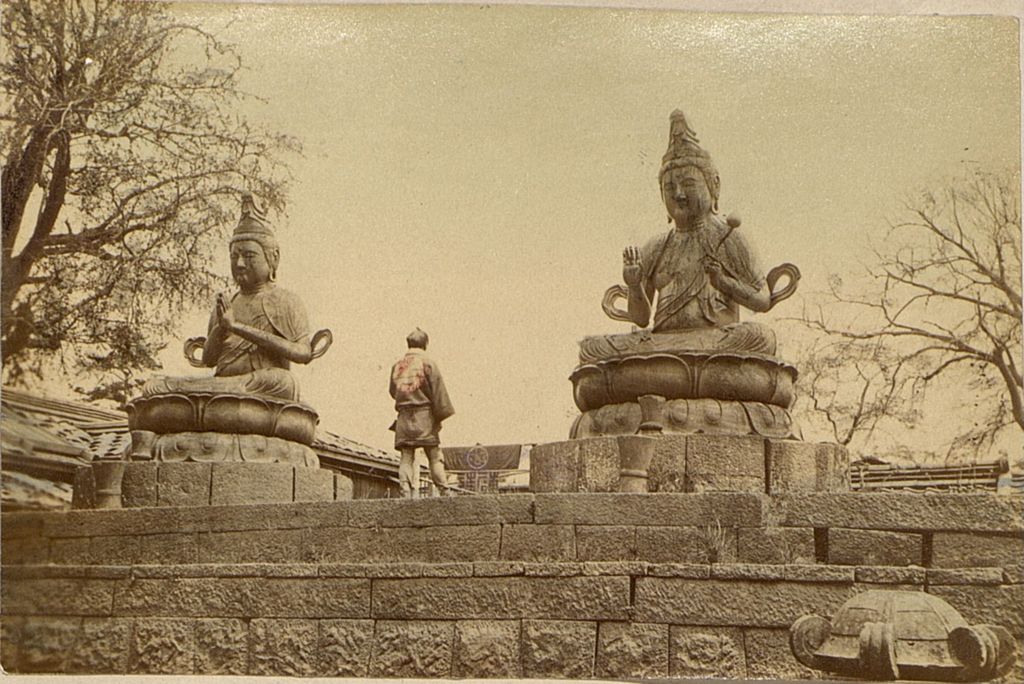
331 442
100 433
74 412
64 427
20 492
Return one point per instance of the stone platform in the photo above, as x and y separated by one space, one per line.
150 484
695 463
534 585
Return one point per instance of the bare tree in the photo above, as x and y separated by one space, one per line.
849 389
942 305
124 156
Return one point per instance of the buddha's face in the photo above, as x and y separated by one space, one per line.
685 193
249 265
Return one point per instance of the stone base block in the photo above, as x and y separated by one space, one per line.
707 652
559 649
487 649
695 463
344 488
415 648
632 650
152 483
681 463
720 463
874 547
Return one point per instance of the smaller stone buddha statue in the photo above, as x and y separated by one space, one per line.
249 409
255 333
685 289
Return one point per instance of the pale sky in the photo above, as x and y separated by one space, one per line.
477 171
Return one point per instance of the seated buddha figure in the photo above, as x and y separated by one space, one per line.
684 291
255 333
692 280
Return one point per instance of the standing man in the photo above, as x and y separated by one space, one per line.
422 403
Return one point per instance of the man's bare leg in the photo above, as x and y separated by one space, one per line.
437 474
407 480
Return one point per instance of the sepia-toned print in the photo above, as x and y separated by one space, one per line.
729 305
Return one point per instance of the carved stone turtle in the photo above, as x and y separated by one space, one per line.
887 635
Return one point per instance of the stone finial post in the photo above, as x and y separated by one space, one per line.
635 454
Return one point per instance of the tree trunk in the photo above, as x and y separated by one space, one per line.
17 323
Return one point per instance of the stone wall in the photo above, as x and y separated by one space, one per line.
581 586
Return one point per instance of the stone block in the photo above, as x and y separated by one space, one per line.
502 598
487 649
370 569
688 510
251 483
977 576
667 472
833 468
57 596
46 643
997 605
183 484
103 647
734 602
775 544
706 652
163 646
222 647
687 570
580 465
810 572
343 487
769 656
138 521
980 512
24 524
605 542
345 647
447 570
71 551
114 550
497 569
792 466
406 544
632 650
554 467
83 493
283 647
419 648
884 575
255 546
24 551
246 597
456 511
967 550
725 463
139 485
313 484
10 638
170 548
558 649
707 544
598 465
873 547
538 543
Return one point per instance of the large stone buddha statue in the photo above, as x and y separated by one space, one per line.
685 289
